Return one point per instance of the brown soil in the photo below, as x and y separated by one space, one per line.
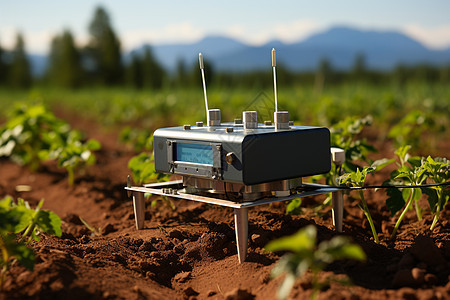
190 253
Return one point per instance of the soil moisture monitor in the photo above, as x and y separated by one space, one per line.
238 164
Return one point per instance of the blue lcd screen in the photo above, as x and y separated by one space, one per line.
194 153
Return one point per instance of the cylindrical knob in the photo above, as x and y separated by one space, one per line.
230 157
281 119
337 155
250 119
214 117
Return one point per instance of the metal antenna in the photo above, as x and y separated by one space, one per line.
202 69
274 65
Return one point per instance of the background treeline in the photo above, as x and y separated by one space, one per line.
101 63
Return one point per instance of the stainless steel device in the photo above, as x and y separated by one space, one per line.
240 164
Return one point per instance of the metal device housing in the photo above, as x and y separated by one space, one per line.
248 156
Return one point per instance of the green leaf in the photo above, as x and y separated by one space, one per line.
402 153
395 201
93 145
25 217
23 254
432 197
302 241
286 286
294 207
406 194
415 161
340 247
381 163
49 222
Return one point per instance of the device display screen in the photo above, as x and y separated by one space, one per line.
194 153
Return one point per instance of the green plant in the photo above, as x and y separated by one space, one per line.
410 128
344 135
19 225
306 255
72 154
438 170
410 171
357 179
142 168
33 135
294 207
24 134
138 139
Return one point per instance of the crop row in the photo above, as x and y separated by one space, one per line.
32 135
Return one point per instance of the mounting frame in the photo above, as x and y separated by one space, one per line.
173 189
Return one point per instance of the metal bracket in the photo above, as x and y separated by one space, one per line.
173 189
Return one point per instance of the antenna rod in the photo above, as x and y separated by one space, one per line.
202 69
274 64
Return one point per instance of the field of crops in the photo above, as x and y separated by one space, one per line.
72 149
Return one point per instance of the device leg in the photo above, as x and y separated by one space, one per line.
139 209
338 210
241 228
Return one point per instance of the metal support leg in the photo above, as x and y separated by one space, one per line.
241 228
338 210
139 209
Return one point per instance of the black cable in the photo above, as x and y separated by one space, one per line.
391 186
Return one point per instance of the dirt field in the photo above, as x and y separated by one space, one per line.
190 252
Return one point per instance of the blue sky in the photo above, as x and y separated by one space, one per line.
253 22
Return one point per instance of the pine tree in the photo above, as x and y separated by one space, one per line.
20 73
134 76
153 72
181 76
104 50
65 64
3 67
359 69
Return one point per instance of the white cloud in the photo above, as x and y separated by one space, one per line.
287 32
433 37
187 32
7 37
177 32
36 42
296 30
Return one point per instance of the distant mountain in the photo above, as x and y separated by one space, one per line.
340 45
382 50
38 64
213 48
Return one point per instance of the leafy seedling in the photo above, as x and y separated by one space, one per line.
345 135
438 170
143 171
24 134
33 135
357 179
19 219
411 171
410 128
306 255
72 154
139 140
